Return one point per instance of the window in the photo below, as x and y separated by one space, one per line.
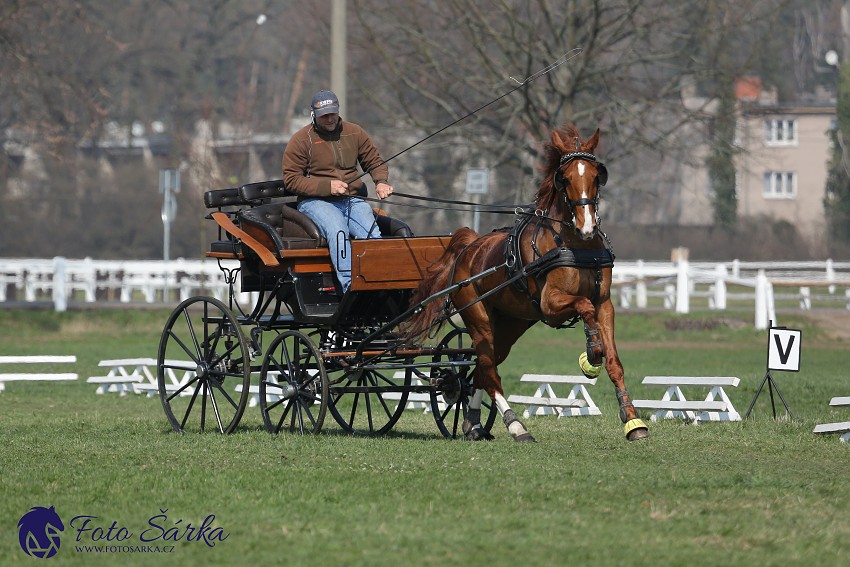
780 132
780 185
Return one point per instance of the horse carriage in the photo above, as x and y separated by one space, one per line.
303 348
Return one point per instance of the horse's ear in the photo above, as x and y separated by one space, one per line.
590 145
558 142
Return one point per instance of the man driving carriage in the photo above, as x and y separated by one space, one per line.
318 160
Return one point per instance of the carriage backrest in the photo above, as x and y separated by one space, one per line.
221 198
264 191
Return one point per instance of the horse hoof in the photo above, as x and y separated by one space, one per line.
525 438
587 368
477 433
636 429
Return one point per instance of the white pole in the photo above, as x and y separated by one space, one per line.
720 287
60 298
682 297
830 274
761 300
640 287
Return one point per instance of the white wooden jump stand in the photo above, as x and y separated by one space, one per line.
715 407
123 374
546 402
36 376
138 375
837 427
415 400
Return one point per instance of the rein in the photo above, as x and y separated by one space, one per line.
497 209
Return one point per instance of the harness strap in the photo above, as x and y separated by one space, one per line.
561 256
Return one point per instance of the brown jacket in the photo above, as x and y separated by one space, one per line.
313 158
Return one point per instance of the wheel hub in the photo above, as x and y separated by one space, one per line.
449 384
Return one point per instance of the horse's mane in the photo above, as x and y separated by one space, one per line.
545 196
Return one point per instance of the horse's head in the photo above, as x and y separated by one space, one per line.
574 172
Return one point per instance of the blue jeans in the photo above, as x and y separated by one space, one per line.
337 219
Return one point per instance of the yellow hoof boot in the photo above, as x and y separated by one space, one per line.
634 425
587 368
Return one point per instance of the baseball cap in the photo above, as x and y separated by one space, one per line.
324 102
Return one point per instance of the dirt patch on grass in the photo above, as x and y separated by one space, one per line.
834 323
708 324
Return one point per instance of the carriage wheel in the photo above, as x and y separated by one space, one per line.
450 400
202 360
293 385
369 402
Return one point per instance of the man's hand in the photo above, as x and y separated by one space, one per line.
383 190
339 187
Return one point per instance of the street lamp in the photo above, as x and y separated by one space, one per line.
831 58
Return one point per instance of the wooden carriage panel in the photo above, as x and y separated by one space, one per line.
393 263
307 260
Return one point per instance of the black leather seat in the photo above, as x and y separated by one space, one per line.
287 228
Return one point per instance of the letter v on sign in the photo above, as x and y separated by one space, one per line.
783 349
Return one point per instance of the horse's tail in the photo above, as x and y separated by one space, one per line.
437 278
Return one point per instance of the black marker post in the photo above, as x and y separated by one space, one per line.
783 353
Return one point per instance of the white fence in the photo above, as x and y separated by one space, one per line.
678 286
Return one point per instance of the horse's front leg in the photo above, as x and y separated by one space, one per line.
557 307
486 379
634 427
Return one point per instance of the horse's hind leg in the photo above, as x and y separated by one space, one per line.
472 428
515 427
486 378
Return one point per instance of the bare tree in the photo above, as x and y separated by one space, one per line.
647 75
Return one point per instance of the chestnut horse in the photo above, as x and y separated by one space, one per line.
554 266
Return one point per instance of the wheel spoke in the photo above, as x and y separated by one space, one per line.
189 407
227 396
195 356
180 390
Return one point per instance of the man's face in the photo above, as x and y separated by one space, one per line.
327 122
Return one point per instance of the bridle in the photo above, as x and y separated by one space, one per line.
561 183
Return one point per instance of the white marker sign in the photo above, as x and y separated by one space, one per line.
783 349
477 181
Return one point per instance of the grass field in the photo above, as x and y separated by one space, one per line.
757 492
